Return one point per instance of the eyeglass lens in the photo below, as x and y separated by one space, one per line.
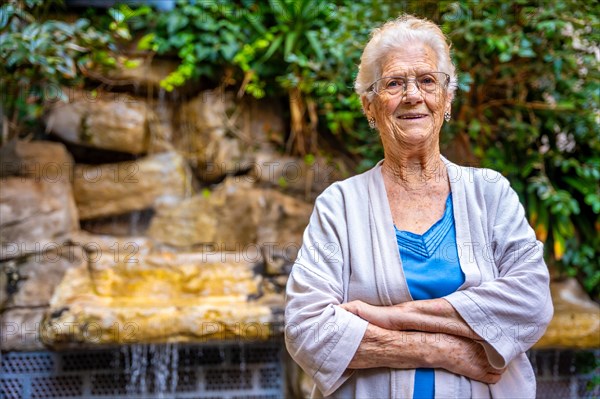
428 82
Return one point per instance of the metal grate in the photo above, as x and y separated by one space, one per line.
168 371
56 387
226 379
90 360
34 362
270 377
11 388
565 374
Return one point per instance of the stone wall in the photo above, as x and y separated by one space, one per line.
145 219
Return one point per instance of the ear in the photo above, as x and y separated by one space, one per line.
366 104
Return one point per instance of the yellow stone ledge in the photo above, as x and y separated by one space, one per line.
168 312
576 321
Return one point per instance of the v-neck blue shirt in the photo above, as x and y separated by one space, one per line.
432 270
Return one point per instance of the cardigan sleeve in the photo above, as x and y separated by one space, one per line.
321 337
511 312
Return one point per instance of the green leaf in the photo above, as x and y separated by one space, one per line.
474 128
147 41
505 57
272 48
116 15
313 39
6 13
290 40
254 21
132 64
577 184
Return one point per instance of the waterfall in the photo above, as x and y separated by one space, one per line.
151 369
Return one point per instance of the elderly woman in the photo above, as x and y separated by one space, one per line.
418 278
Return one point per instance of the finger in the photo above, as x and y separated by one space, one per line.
494 378
348 307
496 371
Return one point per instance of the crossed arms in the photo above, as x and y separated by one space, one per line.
428 333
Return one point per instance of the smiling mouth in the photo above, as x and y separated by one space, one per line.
412 116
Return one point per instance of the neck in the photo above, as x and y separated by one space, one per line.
413 166
414 173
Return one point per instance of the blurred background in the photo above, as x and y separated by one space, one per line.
159 162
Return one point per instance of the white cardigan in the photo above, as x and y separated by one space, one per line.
350 252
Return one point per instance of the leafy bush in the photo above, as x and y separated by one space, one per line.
39 56
205 36
529 106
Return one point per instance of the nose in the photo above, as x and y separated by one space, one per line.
412 94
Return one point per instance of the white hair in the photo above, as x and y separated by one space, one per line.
394 35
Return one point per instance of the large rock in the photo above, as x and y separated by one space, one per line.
190 223
106 248
207 137
282 224
233 217
292 174
259 122
39 274
133 223
174 277
219 134
110 121
35 215
23 304
21 329
112 189
162 298
39 160
576 321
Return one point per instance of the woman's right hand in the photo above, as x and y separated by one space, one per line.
466 357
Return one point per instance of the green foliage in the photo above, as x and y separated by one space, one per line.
288 40
530 108
40 56
205 36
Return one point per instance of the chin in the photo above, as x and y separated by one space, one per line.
416 137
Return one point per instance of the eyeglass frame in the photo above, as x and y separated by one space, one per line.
371 88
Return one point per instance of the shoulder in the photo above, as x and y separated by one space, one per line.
478 181
485 190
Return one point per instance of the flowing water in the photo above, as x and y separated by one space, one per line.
151 369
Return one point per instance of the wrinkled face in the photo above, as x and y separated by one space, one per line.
412 116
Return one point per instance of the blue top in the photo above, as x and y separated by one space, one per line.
432 270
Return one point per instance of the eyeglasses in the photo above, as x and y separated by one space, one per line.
429 82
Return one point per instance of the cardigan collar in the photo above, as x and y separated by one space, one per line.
389 273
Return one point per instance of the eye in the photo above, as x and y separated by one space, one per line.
394 83
427 80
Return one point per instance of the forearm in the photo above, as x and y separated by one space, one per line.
415 349
434 315
395 349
